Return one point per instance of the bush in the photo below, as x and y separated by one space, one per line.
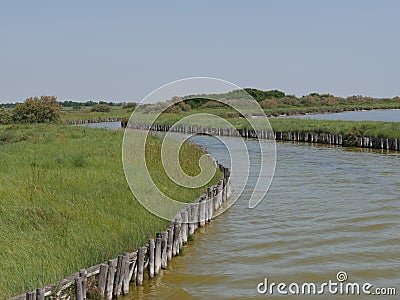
129 105
37 110
100 108
5 116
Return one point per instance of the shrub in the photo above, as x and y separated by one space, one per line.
37 110
5 116
100 108
130 105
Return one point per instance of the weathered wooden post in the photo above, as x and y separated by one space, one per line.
83 275
151 258
30 295
175 244
210 203
40 294
119 275
103 279
129 270
170 244
78 288
202 206
110 280
164 246
157 254
140 265
185 221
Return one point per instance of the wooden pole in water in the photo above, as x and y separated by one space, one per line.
170 243
164 246
140 265
202 207
185 221
157 254
129 269
151 258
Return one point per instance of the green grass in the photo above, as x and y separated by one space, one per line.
65 204
86 114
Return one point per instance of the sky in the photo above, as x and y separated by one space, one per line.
123 50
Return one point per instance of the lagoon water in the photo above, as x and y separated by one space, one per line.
329 209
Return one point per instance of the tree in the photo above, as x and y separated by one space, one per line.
37 110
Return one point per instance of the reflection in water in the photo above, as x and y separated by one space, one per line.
328 209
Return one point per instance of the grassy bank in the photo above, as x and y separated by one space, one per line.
353 128
65 204
86 114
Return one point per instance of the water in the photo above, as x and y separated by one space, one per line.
328 210
388 115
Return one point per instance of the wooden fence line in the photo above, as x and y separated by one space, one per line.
113 278
93 120
308 137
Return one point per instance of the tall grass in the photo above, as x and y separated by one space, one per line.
65 204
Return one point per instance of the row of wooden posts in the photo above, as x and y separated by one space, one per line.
309 137
115 277
93 120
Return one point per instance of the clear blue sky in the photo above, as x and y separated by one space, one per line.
122 50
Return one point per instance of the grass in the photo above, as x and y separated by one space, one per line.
65 204
86 114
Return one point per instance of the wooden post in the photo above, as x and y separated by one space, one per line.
83 275
175 244
192 218
202 212
170 243
140 265
30 295
129 270
40 294
151 258
103 278
119 276
157 254
184 226
78 288
110 280
164 246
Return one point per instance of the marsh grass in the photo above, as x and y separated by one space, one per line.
65 203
